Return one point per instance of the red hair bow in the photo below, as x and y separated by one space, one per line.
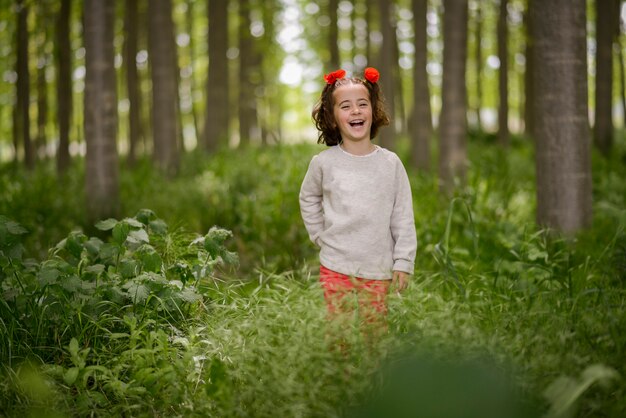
371 74
334 76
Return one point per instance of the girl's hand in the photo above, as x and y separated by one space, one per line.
399 280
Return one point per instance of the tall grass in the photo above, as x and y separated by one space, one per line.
536 318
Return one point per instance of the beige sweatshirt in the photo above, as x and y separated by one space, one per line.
359 211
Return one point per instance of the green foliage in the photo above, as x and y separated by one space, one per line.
86 285
132 319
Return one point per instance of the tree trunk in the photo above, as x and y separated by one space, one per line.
64 85
561 125
421 120
164 85
42 85
247 99
620 64
101 170
386 67
369 54
333 35
191 79
131 19
603 120
216 132
453 122
478 61
503 79
528 74
23 85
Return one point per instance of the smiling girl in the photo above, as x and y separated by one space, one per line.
356 200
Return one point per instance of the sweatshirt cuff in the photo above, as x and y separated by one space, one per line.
403 265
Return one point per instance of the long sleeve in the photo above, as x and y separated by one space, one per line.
403 224
311 200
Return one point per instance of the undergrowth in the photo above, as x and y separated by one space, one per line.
135 317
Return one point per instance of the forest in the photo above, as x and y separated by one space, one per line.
153 257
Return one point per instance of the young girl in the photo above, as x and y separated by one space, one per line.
356 200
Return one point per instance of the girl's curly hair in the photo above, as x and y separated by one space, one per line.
324 118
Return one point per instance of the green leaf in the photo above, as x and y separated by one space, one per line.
14 228
133 222
70 375
150 259
73 347
120 232
128 268
189 295
106 224
95 269
145 216
158 226
138 236
48 275
93 245
137 292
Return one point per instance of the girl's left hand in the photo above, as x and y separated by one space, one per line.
399 280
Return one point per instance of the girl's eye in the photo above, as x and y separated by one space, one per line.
345 107
363 104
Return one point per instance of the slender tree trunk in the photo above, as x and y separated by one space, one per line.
216 130
503 76
369 53
191 79
42 85
164 85
528 74
453 121
605 33
561 126
478 62
23 84
421 119
64 85
247 98
386 64
401 119
101 170
333 35
622 75
131 37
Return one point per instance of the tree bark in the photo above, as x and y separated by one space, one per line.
23 85
603 120
620 65
503 79
478 62
386 66
101 170
162 51
421 120
248 128
131 37
42 85
453 121
216 132
528 74
333 35
561 125
64 85
191 79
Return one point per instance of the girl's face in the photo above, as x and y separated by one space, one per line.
353 112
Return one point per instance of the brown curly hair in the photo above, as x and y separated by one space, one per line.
324 117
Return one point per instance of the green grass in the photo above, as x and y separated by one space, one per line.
535 318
